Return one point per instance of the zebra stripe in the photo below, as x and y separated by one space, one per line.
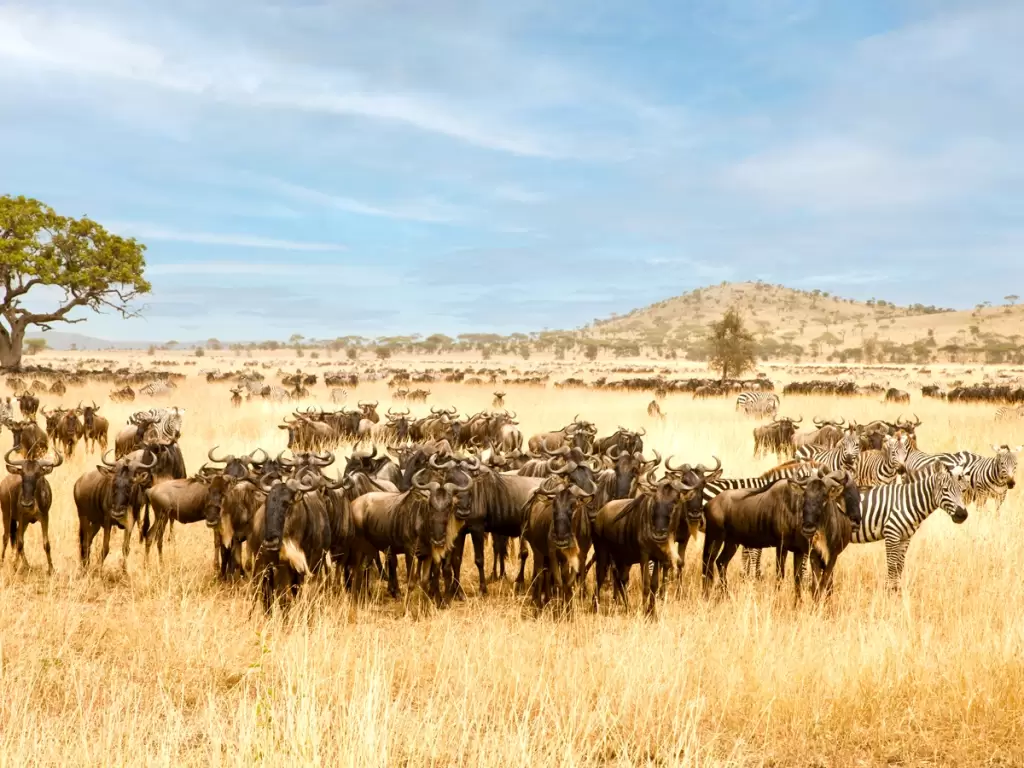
758 403
882 467
893 513
1010 412
166 421
843 455
988 477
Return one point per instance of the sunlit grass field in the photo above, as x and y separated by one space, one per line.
167 666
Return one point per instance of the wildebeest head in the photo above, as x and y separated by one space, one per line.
369 411
697 477
31 471
399 423
664 497
567 501
129 473
850 495
235 467
459 474
53 419
786 427
440 502
217 485
89 414
814 492
281 495
628 468
1006 464
575 466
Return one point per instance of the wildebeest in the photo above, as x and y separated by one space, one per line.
558 531
893 395
304 434
69 430
25 497
111 495
654 410
187 500
95 426
827 434
639 530
29 439
499 400
124 395
236 396
622 438
787 513
28 404
776 437
418 524
291 533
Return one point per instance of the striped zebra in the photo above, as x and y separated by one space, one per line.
761 404
1010 413
874 468
893 513
789 470
158 388
167 422
989 477
339 395
275 393
843 455
6 410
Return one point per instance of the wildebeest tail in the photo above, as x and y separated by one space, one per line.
144 528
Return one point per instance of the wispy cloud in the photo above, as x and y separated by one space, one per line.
429 211
156 232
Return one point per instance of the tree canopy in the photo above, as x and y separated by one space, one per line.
95 269
732 349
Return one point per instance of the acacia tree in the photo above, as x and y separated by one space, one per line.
731 346
94 268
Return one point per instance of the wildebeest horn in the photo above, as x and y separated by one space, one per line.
798 421
283 461
471 464
614 452
209 455
567 466
103 458
447 465
53 464
704 470
13 462
817 423
251 458
324 459
560 452
670 468
642 432
512 416
457 487
94 406
917 421
423 486
142 465
266 483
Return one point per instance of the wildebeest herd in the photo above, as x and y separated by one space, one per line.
574 498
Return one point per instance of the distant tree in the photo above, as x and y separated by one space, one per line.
590 352
352 353
200 352
382 353
213 344
35 346
732 350
151 350
95 270
295 339
171 344
1012 298
74 347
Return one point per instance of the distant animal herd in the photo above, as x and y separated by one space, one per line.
418 487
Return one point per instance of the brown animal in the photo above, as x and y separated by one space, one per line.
640 530
776 437
96 427
654 410
558 532
187 500
787 514
25 497
29 439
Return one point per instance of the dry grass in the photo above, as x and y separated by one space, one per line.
165 666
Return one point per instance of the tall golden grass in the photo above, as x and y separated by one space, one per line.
167 666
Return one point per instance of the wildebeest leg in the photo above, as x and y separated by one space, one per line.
85 537
129 526
44 524
707 566
798 572
651 595
477 537
780 563
600 574
8 526
621 571
19 545
106 544
521 576
455 590
392 558
723 560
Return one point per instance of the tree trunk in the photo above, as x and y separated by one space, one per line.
11 347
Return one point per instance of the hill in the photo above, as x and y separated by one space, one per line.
815 324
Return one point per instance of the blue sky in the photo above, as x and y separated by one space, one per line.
379 166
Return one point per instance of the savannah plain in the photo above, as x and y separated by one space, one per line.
165 665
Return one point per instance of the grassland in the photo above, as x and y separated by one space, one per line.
166 666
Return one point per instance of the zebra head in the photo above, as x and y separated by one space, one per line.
948 492
897 449
850 449
1006 464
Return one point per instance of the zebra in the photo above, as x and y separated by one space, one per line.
339 395
275 393
843 455
789 470
893 513
882 467
989 477
166 421
6 410
762 404
157 388
1010 412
